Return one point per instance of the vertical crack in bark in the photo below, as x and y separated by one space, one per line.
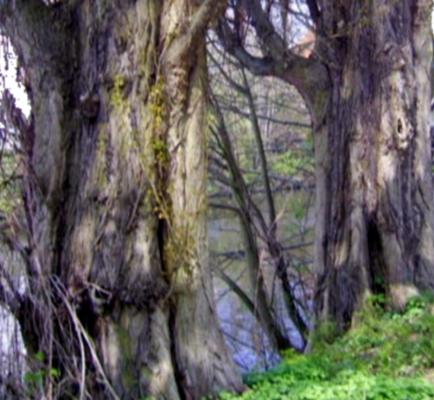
177 369
377 267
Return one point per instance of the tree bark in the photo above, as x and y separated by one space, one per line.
116 195
374 193
367 85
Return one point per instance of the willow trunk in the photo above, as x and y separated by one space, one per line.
115 194
374 192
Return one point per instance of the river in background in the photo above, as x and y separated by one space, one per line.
245 337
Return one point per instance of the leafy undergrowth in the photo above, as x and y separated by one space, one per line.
387 356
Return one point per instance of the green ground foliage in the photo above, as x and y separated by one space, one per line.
387 356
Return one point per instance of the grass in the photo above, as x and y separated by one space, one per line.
387 356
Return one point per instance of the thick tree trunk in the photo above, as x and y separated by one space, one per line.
367 85
374 191
116 193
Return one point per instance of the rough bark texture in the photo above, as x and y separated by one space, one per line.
116 190
367 85
375 206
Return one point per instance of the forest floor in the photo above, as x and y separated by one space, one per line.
386 356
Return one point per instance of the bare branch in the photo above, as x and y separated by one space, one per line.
260 66
208 11
308 75
314 10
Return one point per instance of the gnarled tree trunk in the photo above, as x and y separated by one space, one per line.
375 205
367 85
116 196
